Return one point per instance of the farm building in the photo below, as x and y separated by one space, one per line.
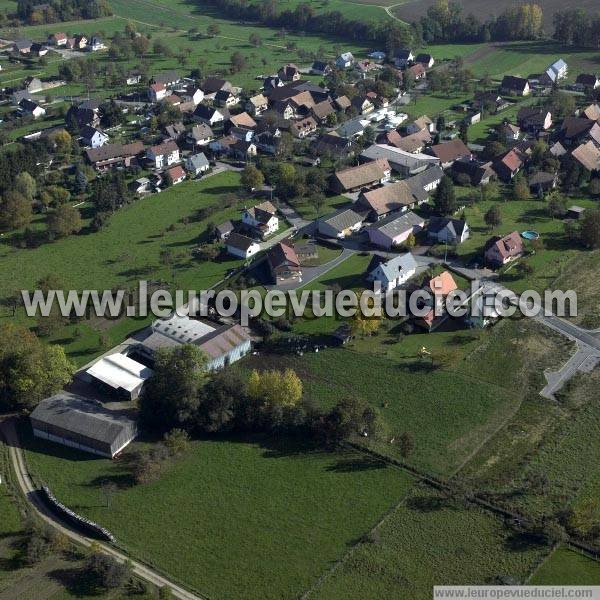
223 344
340 224
119 375
77 422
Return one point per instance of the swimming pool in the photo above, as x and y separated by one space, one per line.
530 235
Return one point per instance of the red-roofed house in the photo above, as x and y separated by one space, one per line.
157 92
284 264
176 174
499 251
509 165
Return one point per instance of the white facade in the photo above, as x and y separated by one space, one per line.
253 249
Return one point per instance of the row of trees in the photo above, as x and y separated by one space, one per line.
574 27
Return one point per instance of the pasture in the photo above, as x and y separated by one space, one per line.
167 221
429 541
565 567
247 519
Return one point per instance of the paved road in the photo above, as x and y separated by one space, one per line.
7 428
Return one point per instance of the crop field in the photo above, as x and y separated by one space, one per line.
235 519
165 221
565 567
413 10
428 542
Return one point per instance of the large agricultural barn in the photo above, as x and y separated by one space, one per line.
77 422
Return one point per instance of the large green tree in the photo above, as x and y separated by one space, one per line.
29 370
172 396
444 198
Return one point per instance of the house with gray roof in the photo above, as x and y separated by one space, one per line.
391 274
197 163
448 230
340 224
395 230
404 163
555 72
80 423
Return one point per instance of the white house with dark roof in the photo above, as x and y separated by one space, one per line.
448 230
163 155
262 217
555 72
197 163
241 246
391 274
93 137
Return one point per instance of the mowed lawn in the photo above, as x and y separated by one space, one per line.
566 567
428 542
234 519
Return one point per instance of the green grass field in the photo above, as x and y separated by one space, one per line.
235 519
427 542
168 220
566 567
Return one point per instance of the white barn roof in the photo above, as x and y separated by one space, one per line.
120 372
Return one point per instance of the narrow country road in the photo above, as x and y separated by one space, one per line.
9 432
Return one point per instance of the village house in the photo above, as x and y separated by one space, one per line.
534 120
555 72
133 77
322 110
111 156
449 152
320 67
362 104
334 145
592 112
30 108
175 131
241 246
302 128
577 130
507 166
226 98
197 163
367 175
200 135
163 155
541 182
404 163
403 58
438 287
340 224
509 132
209 114
175 174
262 218
141 186
80 42
212 85
306 251
395 230
379 203
344 60
387 275
166 78
501 250
22 46
447 230
588 82
284 264
420 124
515 86
157 92
256 105
57 39
426 60
93 137
417 71
478 172
289 72
242 120
588 156
95 44
224 230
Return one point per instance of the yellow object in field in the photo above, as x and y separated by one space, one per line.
424 351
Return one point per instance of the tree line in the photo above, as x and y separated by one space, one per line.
33 12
